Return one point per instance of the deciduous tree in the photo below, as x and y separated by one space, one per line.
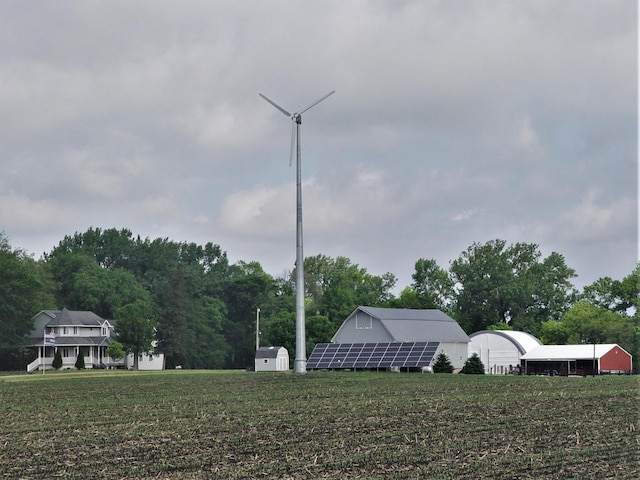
135 329
509 284
25 289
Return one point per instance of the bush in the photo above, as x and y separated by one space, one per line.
80 360
473 365
116 351
442 364
57 359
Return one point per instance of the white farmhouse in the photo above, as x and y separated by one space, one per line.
78 332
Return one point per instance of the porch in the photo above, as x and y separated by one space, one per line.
94 357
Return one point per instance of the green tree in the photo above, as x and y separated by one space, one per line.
553 332
442 364
499 326
318 330
82 284
115 350
172 324
279 329
80 360
336 287
512 285
247 290
615 295
433 285
473 365
208 347
135 328
57 359
408 298
25 289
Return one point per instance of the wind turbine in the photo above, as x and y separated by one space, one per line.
300 363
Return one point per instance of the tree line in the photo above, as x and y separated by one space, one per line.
203 309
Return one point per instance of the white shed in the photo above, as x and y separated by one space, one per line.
501 350
272 359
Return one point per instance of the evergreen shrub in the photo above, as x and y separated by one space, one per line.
442 364
473 365
57 359
80 360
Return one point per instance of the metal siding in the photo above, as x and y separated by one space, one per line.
456 351
348 333
616 360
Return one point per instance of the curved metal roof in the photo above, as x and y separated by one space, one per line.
523 341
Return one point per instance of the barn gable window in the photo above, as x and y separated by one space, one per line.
363 322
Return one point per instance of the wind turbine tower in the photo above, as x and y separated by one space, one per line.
300 363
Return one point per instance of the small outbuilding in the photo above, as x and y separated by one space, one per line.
581 359
501 350
272 359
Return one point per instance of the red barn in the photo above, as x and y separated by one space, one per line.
616 360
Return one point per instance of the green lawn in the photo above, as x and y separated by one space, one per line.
202 424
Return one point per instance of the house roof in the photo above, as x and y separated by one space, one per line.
62 341
269 352
413 325
523 341
568 352
64 317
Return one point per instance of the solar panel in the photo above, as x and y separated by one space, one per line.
372 355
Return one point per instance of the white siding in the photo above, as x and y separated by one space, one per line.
498 350
279 363
457 353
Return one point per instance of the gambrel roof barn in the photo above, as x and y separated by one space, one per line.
373 324
373 337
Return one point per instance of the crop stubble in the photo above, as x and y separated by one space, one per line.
321 425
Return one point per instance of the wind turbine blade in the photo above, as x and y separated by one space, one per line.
275 105
315 103
293 141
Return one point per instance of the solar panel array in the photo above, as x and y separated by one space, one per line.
372 355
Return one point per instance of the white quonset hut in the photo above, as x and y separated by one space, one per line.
374 337
501 350
272 359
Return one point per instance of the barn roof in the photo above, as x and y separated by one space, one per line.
413 325
523 341
568 352
269 352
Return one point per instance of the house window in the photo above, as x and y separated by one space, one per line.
363 322
104 331
66 352
75 330
65 331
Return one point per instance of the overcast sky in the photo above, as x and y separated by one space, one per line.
453 122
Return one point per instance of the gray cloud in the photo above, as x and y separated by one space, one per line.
453 123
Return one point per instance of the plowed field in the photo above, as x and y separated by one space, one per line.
192 425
